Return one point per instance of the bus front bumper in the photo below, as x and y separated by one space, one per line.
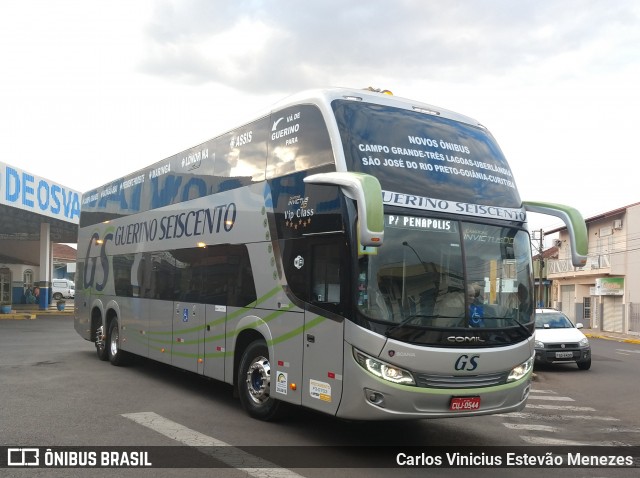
366 397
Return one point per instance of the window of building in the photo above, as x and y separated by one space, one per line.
586 305
5 286
28 279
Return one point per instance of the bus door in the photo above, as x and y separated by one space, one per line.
324 333
150 285
188 332
214 342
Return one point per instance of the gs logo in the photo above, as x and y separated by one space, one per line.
91 263
467 363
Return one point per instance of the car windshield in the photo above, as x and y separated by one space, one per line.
552 321
441 273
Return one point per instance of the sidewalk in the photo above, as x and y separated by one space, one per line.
30 312
600 334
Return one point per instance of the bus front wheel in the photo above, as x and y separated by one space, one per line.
254 383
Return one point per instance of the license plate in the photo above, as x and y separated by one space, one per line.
461 404
564 354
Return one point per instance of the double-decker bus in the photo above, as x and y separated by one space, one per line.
348 251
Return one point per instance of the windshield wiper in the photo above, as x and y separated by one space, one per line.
521 325
408 319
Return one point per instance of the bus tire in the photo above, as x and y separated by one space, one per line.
254 383
101 344
117 356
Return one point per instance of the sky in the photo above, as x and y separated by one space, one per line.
91 90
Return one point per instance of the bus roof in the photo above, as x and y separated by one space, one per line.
327 95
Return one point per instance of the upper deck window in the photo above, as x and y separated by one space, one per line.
299 141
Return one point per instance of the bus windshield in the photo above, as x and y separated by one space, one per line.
442 273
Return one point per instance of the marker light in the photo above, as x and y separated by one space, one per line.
378 90
426 111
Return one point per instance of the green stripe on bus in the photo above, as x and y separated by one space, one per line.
225 318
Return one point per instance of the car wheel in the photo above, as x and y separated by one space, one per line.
586 365
57 296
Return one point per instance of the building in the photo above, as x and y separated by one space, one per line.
605 293
35 214
543 291
20 270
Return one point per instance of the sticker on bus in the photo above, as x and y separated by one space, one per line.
282 383
320 390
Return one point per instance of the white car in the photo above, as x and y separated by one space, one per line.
557 340
63 289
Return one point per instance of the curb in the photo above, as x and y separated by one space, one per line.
611 337
14 316
33 315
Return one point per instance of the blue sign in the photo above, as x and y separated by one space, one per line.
26 191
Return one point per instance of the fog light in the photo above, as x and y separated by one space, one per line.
376 398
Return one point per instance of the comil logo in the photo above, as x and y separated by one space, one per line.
23 457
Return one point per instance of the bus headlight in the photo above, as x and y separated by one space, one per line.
383 370
520 371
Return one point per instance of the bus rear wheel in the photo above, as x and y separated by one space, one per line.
101 344
116 355
254 383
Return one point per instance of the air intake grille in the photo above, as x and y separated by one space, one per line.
466 381
562 346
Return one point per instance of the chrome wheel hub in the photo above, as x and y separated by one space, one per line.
259 380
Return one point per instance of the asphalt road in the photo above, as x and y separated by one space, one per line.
55 392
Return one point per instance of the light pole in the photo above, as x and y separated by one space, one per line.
540 247
541 269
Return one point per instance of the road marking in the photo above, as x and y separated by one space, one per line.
232 456
621 430
560 415
552 441
538 416
559 441
566 408
628 351
531 427
557 399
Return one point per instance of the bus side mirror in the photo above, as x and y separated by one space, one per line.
367 192
575 225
